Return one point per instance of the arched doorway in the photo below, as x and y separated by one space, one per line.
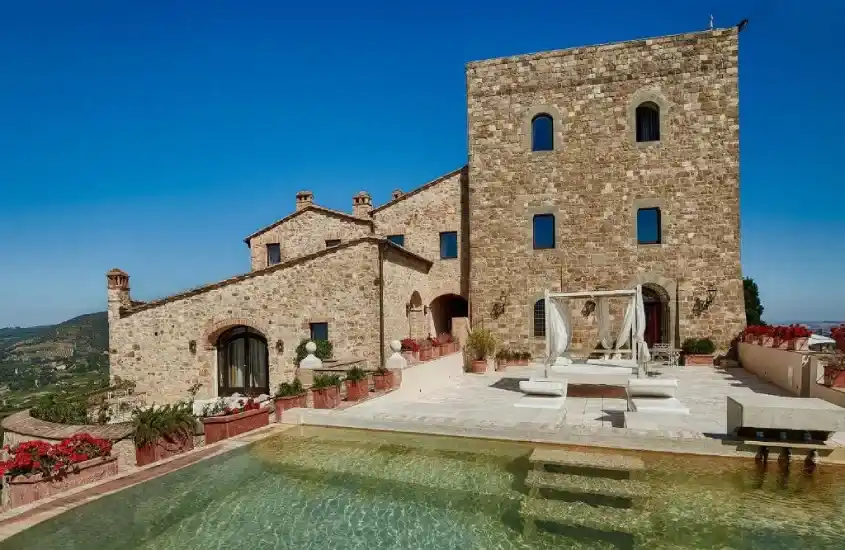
242 362
656 305
444 308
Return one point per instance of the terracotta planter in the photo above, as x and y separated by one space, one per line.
479 366
426 354
435 352
410 356
357 390
326 398
396 375
290 402
781 343
218 428
383 381
25 490
162 448
697 360
834 377
798 344
767 341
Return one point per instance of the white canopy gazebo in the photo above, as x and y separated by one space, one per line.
559 326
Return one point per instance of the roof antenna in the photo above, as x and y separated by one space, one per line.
711 21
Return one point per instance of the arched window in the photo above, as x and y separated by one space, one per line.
540 318
242 362
542 133
648 122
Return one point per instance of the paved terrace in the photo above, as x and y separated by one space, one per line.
438 397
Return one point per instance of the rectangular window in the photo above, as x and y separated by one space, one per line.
319 331
648 226
397 239
448 245
274 254
544 231
332 242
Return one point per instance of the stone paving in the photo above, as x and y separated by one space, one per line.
438 397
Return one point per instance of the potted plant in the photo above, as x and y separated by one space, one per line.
800 337
698 351
480 345
523 357
38 469
834 371
425 347
289 395
383 378
435 349
503 358
444 342
161 432
357 385
326 391
235 420
410 350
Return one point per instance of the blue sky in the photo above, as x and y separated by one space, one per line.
153 136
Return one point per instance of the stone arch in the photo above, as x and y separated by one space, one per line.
667 291
528 116
416 300
653 96
444 308
215 329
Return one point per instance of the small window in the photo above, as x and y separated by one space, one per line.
542 133
448 245
544 231
648 226
319 331
332 242
540 318
397 239
648 122
274 254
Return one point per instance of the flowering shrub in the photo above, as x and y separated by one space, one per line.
249 405
778 332
425 343
39 457
443 338
409 344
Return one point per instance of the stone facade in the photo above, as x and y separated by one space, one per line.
593 180
304 232
597 176
169 345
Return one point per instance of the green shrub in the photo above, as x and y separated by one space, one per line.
695 346
356 373
325 381
324 350
61 409
170 422
504 355
481 343
288 389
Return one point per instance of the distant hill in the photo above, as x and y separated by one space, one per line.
84 335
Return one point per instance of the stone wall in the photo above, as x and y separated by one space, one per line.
306 232
402 277
598 175
151 343
421 215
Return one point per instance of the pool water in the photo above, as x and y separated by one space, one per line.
331 488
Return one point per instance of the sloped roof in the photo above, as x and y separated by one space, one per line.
422 187
314 208
273 268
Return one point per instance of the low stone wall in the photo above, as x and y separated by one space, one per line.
832 395
21 427
788 370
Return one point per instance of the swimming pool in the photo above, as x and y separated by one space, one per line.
331 488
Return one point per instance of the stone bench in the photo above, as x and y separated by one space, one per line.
772 412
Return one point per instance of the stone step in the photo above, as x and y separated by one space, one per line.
592 461
600 518
587 485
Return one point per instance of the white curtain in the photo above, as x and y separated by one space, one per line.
643 355
603 318
625 331
558 330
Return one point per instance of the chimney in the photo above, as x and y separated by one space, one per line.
118 292
362 203
396 194
304 199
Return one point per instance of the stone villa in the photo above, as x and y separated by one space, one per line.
589 168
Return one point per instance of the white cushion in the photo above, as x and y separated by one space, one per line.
657 404
652 387
539 386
